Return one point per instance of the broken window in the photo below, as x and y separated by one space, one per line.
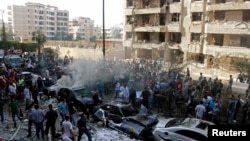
129 35
246 15
143 36
195 37
218 39
175 17
176 0
196 16
162 19
130 3
162 37
219 15
146 3
130 19
145 19
244 42
162 3
176 37
220 1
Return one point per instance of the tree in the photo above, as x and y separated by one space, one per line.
116 34
92 39
40 38
4 38
242 65
10 35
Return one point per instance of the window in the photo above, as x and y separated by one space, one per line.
246 16
192 134
196 16
219 15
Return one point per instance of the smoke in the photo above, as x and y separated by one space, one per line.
82 72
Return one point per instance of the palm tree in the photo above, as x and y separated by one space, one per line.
40 38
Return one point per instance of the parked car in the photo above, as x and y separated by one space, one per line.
121 116
186 122
13 61
179 133
80 96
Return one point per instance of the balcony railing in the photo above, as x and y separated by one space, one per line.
150 10
175 7
173 27
128 27
229 6
228 50
196 27
149 45
197 6
150 29
228 27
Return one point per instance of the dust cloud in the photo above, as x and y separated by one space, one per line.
82 72
85 69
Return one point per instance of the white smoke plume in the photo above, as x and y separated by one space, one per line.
82 72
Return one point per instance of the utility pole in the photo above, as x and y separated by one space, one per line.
103 29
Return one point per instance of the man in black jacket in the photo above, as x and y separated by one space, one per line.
82 128
51 117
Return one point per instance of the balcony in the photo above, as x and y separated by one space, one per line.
173 27
195 27
128 11
150 10
227 50
175 7
173 45
150 29
128 27
229 6
197 6
141 45
231 27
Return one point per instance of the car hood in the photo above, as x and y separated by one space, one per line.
145 117
147 120
128 127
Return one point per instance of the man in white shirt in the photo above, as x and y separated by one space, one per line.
68 128
200 110
27 96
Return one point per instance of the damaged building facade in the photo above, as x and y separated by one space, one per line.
199 30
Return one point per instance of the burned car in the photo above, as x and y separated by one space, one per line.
179 133
186 122
80 96
123 117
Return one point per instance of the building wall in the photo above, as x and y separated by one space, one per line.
34 16
223 27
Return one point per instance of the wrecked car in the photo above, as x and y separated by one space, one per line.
123 117
80 96
186 122
180 133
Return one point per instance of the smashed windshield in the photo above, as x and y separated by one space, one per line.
80 92
175 122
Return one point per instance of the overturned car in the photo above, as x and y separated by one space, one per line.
124 118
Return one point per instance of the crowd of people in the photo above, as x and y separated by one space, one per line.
160 90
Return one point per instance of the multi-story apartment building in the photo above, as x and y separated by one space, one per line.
82 28
34 16
203 30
